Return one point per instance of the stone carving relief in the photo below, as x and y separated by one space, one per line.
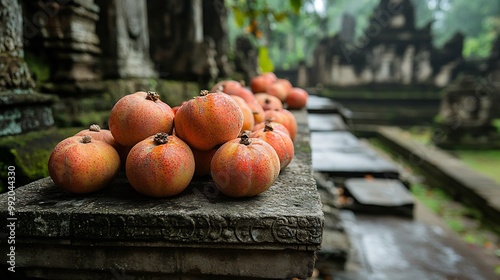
123 30
203 229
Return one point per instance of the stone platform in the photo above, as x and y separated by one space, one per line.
199 234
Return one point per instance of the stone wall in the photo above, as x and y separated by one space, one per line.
90 53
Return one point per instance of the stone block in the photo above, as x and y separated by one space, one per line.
199 232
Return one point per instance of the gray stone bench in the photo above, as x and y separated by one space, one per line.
198 234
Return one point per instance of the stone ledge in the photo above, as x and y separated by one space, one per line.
286 220
461 181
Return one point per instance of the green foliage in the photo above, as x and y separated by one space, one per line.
265 63
478 20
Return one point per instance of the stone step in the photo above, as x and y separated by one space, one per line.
318 104
326 122
393 248
342 154
454 176
378 196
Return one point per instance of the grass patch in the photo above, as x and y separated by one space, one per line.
485 162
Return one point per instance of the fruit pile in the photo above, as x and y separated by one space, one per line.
240 137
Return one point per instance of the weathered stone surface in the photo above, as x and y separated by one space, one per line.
27 117
21 108
378 196
286 220
340 153
123 27
65 31
383 192
389 247
181 47
14 73
466 115
326 122
319 104
328 140
453 175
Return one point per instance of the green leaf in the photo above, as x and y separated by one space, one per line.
265 63
239 17
279 17
296 4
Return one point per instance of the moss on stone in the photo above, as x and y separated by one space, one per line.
29 154
95 108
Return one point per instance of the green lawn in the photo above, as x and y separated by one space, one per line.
486 162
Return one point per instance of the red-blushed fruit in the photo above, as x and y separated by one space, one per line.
208 120
261 82
248 118
97 133
280 89
202 161
230 87
269 102
297 98
292 123
234 88
174 109
279 140
257 111
285 118
161 165
245 167
79 164
275 125
139 115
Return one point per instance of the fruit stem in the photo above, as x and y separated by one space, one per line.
245 138
204 92
268 126
95 127
153 96
161 138
86 139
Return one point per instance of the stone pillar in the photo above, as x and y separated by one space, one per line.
179 46
68 37
123 31
22 109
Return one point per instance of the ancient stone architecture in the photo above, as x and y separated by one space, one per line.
65 31
181 47
391 52
22 108
123 28
466 114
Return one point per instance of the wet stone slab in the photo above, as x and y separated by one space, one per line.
341 153
284 223
333 140
318 104
380 196
326 122
394 248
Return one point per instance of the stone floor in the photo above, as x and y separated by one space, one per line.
382 241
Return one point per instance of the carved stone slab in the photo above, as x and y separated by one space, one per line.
289 213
